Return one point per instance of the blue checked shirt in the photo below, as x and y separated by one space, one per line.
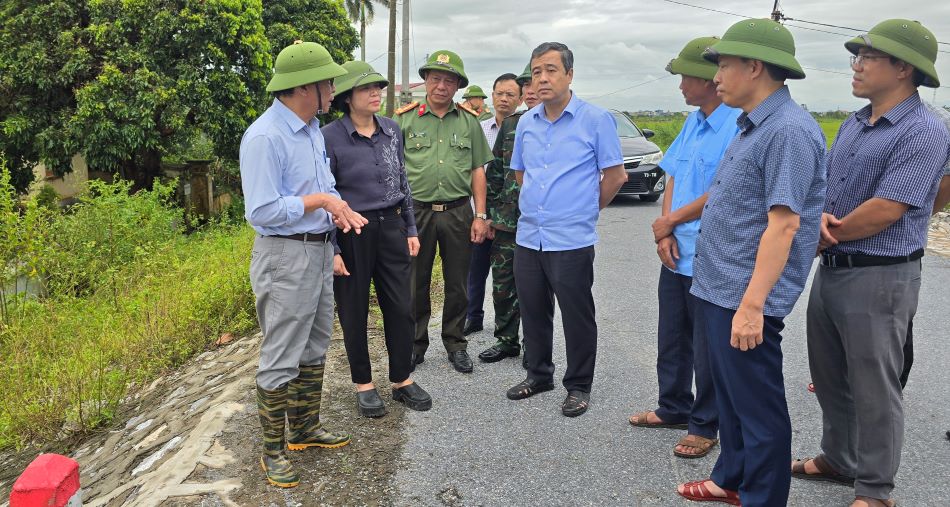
899 158
283 159
778 159
562 160
691 161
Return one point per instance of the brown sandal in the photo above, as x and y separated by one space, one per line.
640 419
696 442
826 472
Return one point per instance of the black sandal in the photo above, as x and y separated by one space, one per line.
575 404
528 388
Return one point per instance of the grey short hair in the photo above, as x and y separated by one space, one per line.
567 57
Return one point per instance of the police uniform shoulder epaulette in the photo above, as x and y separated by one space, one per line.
408 107
469 109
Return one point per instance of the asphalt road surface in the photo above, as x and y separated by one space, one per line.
476 447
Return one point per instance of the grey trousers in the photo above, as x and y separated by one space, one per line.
857 325
293 285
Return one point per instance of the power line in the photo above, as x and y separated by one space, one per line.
631 87
707 8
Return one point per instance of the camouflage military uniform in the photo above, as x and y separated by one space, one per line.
503 190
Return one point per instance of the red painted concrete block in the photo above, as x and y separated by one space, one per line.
50 480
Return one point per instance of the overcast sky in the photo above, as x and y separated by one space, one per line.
618 44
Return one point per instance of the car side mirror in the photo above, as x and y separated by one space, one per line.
647 133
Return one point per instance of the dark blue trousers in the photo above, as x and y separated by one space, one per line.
477 277
681 349
754 428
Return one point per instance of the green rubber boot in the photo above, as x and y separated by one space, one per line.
271 406
303 412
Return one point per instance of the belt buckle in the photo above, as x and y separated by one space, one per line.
438 207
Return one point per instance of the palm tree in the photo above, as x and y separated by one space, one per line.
362 12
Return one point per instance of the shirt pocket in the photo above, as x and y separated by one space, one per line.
417 151
461 153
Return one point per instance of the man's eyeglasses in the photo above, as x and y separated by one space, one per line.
858 60
505 95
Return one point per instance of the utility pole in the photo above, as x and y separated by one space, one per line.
391 68
405 97
776 13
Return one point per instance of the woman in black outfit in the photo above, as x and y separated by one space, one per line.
366 158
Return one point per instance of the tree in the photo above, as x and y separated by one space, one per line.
321 21
362 12
126 82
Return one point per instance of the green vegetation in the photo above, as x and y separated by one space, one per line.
667 127
104 297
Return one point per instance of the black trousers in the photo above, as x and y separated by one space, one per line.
379 254
540 277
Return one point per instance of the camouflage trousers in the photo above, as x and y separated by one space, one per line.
504 294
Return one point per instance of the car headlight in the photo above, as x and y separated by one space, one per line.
652 158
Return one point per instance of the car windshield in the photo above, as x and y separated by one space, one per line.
625 127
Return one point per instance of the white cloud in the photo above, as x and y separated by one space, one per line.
621 43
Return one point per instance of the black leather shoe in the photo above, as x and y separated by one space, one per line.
498 352
472 327
528 388
460 361
413 397
575 404
370 404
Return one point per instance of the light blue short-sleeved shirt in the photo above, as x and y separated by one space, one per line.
283 159
562 160
778 159
691 161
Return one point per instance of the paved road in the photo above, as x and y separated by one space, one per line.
475 447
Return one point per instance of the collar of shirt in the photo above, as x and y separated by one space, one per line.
347 124
571 109
894 115
747 121
718 117
293 121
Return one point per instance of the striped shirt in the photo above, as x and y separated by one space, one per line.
778 159
900 158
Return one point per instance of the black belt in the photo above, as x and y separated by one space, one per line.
440 206
381 214
315 237
862 261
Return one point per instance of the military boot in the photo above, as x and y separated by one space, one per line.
303 412
271 406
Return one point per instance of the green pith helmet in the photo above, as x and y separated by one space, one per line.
474 91
358 73
903 39
759 39
690 61
445 61
302 63
525 76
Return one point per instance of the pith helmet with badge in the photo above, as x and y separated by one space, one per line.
759 39
690 61
905 40
303 63
445 61
474 91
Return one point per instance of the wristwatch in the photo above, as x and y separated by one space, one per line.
483 216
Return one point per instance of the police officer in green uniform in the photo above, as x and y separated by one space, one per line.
503 191
475 99
446 151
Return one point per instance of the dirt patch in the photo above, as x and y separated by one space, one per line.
193 437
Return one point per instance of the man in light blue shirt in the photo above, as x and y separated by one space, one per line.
561 150
691 163
291 203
